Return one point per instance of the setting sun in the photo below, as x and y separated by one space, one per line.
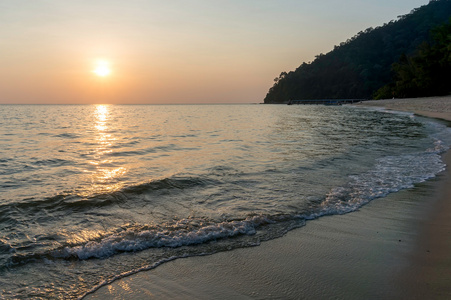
102 69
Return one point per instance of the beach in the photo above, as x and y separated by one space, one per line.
396 247
433 107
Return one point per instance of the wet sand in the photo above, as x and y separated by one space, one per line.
398 247
429 273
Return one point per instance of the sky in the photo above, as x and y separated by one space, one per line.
169 52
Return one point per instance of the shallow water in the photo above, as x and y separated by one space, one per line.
90 193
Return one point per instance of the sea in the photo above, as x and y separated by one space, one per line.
93 193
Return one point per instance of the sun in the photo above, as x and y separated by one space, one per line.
102 68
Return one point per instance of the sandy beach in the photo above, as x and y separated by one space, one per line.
434 107
397 247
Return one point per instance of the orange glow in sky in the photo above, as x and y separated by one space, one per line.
169 51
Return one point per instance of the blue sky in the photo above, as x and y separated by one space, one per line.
198 51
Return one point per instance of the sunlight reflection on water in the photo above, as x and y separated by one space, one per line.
107 175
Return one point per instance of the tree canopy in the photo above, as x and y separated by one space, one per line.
426 73
365 65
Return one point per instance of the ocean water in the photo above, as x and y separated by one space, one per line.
91 193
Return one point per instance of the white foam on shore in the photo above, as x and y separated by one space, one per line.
184 235
391 174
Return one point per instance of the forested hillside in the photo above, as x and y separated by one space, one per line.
426 73
361 66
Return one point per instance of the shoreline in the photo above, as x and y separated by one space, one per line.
431 107
429 274
396 247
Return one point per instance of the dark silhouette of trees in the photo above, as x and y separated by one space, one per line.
426 73
364 64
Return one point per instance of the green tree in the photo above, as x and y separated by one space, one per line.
427 73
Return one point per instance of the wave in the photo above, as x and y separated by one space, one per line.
73 201
184 232
68 135
52 162
391 174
